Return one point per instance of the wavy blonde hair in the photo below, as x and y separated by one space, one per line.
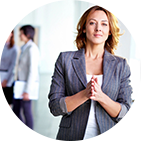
113 39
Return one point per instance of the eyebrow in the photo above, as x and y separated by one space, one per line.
101 20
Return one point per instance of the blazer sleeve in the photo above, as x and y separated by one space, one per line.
57 89
125 91
12 64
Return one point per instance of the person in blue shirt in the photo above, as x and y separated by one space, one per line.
8 61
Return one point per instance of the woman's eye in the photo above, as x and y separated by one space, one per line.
92 23
104 24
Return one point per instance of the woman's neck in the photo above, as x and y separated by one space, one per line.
95 51
27 41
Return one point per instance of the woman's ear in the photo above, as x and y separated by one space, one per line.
110 32
84 31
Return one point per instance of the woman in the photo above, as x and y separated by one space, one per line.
7 65
91 87
28 72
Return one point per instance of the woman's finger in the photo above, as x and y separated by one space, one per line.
94 96
96 80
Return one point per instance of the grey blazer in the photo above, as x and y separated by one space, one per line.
28 66
69 78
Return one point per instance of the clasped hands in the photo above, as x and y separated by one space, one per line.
93 90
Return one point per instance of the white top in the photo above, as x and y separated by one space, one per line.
92 129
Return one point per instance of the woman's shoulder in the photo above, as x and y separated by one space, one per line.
33 44
15 48
34 47
66 56
120 58
68 53
122 61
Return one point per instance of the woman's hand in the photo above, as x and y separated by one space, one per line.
113 108
88 89
4 83
96 92
25 96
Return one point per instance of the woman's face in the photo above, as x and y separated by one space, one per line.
6 34
23 37
97 28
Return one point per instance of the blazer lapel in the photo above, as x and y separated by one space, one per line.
79 66
109 66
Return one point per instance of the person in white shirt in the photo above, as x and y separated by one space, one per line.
8 60
27 71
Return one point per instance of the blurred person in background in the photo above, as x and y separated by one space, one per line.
8 61
27 71
91 86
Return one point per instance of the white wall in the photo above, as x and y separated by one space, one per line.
56 31
135 64
55 18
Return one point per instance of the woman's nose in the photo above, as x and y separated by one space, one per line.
98 27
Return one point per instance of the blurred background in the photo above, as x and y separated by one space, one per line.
55 25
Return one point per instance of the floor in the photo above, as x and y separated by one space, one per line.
46 126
